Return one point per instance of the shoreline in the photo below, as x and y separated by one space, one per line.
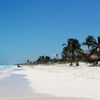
53 82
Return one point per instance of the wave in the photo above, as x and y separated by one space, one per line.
5 70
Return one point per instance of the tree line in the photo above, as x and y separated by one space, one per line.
72 52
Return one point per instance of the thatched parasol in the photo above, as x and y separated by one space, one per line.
94 57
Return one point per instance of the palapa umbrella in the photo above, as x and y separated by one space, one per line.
94 57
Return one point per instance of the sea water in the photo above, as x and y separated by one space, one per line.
5 70
5 67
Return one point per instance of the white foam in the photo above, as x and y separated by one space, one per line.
5 70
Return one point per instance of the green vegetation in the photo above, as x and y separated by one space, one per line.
72 50
93 48
43 60
73 53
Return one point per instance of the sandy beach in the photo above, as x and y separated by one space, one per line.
51 82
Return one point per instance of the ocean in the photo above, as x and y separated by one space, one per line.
5 67
5 70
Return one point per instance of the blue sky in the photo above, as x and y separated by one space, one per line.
29 28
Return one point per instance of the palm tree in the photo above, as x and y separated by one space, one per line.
94 48
72 50
47 59
43 59
90 42
93 45
65 53
28 61
99 43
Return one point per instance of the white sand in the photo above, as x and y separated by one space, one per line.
52 82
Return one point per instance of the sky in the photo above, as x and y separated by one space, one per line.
30 28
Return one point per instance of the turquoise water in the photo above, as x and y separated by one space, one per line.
5 70
3 67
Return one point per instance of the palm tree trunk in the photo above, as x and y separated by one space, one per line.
72 59
77 61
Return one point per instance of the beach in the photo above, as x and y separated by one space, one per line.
51 82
